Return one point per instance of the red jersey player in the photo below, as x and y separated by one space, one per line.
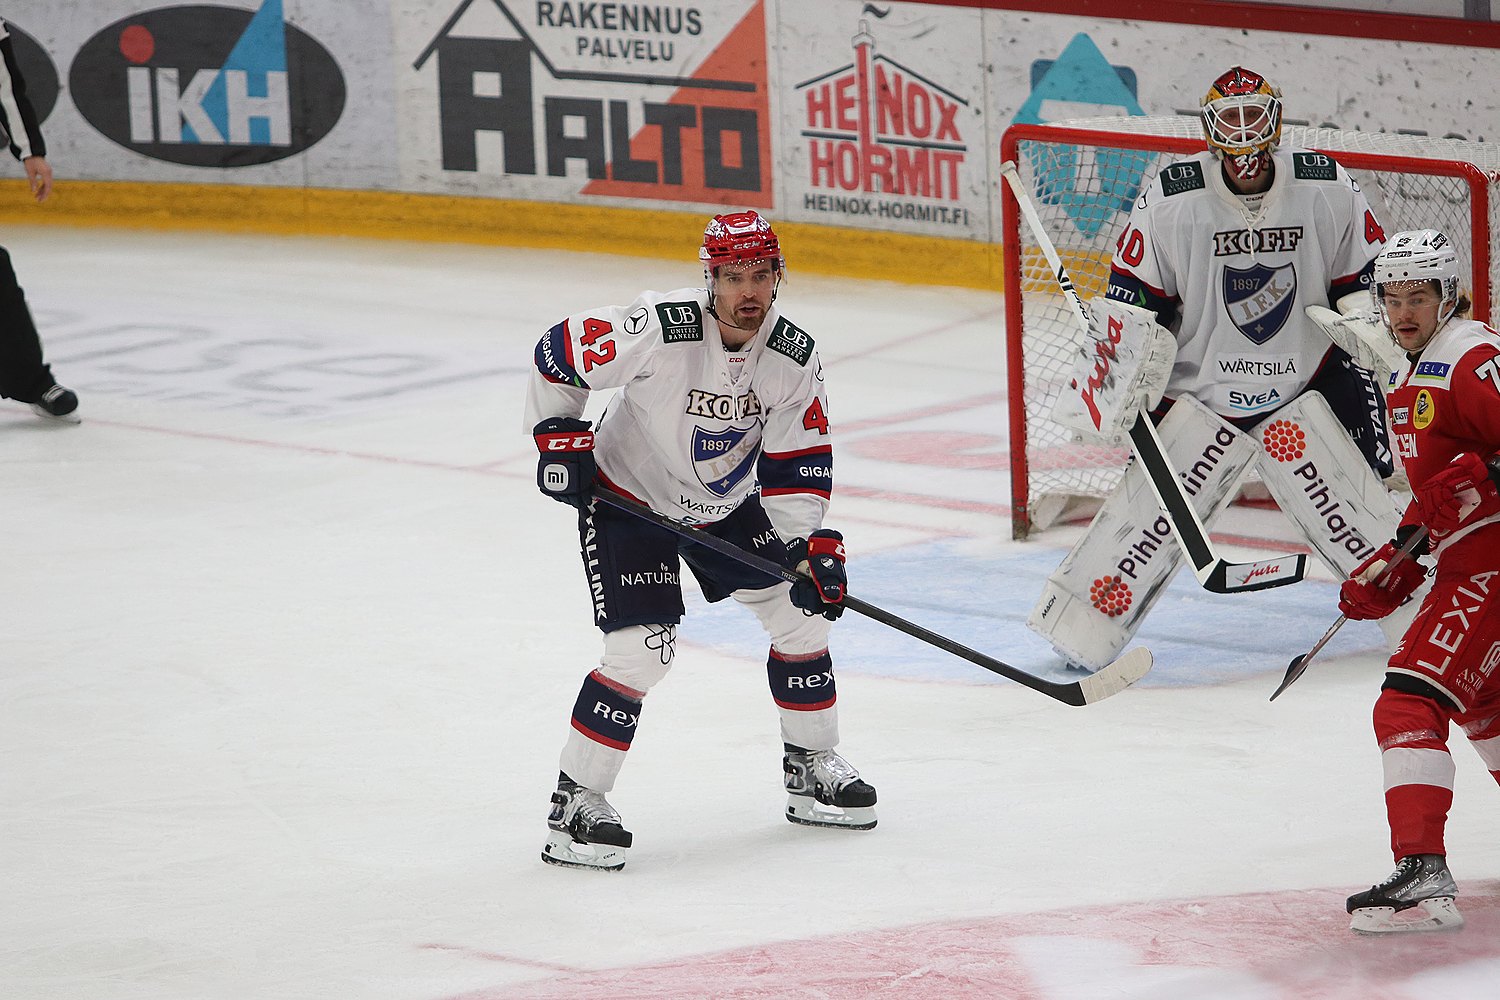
1445 424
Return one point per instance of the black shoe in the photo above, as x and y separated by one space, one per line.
59 403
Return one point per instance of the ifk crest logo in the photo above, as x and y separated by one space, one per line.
877 126
208 86
724 458
1260 299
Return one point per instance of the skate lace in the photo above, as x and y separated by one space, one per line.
833 769
1406 869
593 809
1416 878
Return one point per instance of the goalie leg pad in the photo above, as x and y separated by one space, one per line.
1094 602
1322 483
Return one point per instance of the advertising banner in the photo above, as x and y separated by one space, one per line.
883 117
1056 67
570 100
290 92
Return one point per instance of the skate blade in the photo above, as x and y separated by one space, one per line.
807 811
1439 913
560 849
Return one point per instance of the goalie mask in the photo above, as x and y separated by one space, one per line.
1412 258
1242 121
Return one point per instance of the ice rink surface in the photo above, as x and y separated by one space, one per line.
291 640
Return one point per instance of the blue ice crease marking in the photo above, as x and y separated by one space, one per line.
982 599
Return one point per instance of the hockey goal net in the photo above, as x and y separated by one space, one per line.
1084 177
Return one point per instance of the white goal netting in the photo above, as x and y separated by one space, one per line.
1085 175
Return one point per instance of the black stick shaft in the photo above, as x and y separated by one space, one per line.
1065 692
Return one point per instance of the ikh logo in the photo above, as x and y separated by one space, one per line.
877 127
1284 440
208 86
1110 595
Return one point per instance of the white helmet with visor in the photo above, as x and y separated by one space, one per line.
1416 257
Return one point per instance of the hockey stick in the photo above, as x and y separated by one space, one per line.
1299 664
1214 574
1111 679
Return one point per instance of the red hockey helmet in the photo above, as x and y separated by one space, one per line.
1242 114
739 238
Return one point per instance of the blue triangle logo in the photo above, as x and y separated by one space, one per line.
1081 83
260 51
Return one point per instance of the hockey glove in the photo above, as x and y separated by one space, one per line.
1357 329
1463 492
1380 584
565 471
821 557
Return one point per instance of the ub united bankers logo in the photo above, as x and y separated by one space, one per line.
723 459
877 127
1259 299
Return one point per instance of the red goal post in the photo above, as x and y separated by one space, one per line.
1085 175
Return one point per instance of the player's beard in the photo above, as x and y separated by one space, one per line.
742 321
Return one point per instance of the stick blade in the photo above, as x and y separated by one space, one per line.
1241 578
1294 670
1115 677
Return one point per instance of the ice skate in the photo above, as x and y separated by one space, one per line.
1418 896
584 829
57 403
824 789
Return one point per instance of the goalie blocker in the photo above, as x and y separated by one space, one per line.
1122 368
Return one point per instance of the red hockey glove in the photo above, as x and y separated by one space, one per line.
1366 595
821 556
565 470
1462 492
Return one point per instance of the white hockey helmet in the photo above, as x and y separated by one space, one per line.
1417 256
1242 114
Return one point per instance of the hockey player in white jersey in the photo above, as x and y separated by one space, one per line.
1228 248
722 421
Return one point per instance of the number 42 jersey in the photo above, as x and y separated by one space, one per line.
694 428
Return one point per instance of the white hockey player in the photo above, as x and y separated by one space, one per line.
1227 249
722 421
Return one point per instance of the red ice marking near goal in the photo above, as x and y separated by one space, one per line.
1289 945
